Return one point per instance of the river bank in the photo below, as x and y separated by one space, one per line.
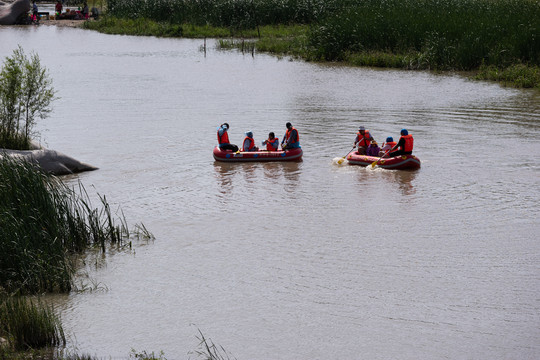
293 40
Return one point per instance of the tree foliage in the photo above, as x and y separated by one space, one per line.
26 93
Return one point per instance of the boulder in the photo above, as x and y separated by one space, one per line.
10 10
51 161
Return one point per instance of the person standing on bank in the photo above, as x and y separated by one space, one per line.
35 15
223 138
362 140
58 8
405 144
291 139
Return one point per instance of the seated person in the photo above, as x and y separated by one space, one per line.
385 150
362 140
272 143
373 149
249 143
291 139
405 144
223 138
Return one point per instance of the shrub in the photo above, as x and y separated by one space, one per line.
25 95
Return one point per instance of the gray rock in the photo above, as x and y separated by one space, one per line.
51 161
10 10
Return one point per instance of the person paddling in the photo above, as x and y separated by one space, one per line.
362 140
405 144
272 143
291 139
389 144
223 138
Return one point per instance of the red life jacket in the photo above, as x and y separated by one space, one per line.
409 142
251 144
272 144
364 140
289 132
391 143
223 139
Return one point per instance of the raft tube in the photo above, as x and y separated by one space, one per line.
402 162
259 156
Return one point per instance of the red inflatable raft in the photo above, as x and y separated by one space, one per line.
403 162
261 155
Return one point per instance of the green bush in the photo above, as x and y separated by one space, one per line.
25 95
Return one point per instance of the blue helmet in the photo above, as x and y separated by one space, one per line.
404 132
249 134
388 139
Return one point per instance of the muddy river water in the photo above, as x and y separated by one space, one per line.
308 260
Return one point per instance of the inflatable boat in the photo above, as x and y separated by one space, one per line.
261 155
402 162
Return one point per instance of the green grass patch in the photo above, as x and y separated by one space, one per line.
138 27
28 324
519 75
43 222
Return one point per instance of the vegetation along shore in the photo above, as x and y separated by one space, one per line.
495 39
45 226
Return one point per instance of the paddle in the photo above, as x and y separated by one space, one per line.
375 162
340 161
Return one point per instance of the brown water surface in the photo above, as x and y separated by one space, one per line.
307 260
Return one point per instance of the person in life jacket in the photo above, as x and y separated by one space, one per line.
385 150
373 149
405 144
272 143
362 140
249 143
223 138
291 139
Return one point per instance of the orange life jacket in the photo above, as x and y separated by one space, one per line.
223 139
272 144
391 143
251 144
289 133
409 142
364 140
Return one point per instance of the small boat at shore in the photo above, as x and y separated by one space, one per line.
402 162
257 156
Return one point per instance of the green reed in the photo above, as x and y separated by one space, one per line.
449 34
28 324
239 14
42 222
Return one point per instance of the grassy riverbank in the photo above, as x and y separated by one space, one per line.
43 225
455 35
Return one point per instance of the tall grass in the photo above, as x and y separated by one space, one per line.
240 14
449 34
28 324
42 222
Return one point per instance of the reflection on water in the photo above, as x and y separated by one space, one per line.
250 175
434 263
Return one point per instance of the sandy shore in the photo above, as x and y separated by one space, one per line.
64 23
